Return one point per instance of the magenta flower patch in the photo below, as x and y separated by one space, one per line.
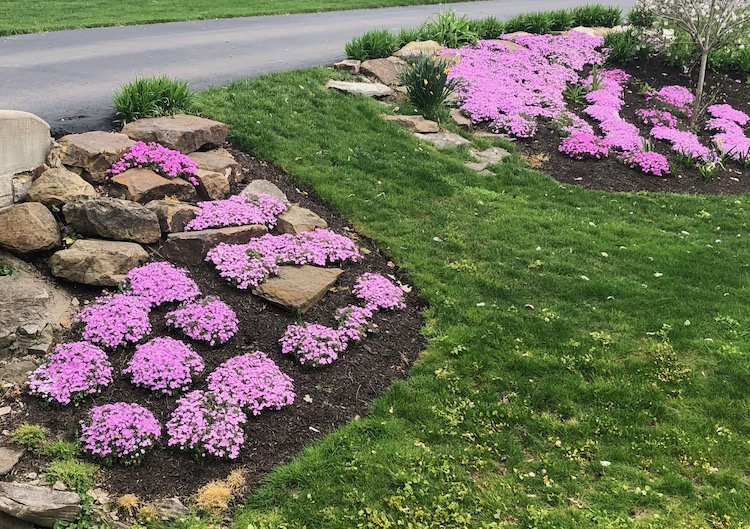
580 145
378 292
165 162
674 96
208 320
116 319
354 322
253 382
71 372
313 344
161 282
165 365
648 162
238 210
202 425
120 431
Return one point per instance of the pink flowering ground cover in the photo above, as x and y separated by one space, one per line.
238 210
161 282
159 159
114 320
165 365
121 432
208 319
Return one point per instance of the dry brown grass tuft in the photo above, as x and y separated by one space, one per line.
213 495
128 503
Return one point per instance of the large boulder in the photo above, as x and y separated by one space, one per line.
210 161
57 186
298 288
28 228
387 71
94 152
297 220
260 185
192 246
173 216
212 185
180 132
112 218
421 47
24 142
42 506
96 262
360 89
144 185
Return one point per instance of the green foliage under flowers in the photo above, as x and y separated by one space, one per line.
77 475
427 84
148 97
86 519
449 29
374 44
30 435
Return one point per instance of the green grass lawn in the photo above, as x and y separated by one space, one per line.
588 356
49 15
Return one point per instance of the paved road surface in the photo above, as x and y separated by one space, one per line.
68 77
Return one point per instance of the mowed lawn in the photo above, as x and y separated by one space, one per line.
588 356
17 16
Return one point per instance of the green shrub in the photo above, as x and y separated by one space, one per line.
426 82
561 20
641 18
374 44
449 29
626 46
77 475
487 28
407 35
31 435
61 450
597 15
536 22
681 53
148 97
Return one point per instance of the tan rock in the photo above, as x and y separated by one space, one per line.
21 185
387 71
192 246
144 185
363 89
39 505
9 457
57 186
213 185
173 216
517 34
28 227
210 161
297 220
24 141
298 288
263 186
509 44
419 47
180 132
414 123
93 151
461 119
444 139
450 59
97 262
349 65
112 218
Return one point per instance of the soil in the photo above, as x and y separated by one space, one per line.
610 175
327 397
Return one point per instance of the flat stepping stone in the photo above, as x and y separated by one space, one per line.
113 218
414 123
42 506
491 155
419 47
173 216
144 185
179 132
27 228
57 186
191 247
298 288
387 71
361 89
348 65
297 220
213 185
97 262
444 139
93 151
210 161
258 186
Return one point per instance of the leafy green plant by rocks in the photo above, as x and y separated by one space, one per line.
372 45
149 97
449 29
426 82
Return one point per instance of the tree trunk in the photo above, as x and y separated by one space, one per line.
699 89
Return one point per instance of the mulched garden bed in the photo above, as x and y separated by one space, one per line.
609 175
327 397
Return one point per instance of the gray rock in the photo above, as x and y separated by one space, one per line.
9 522
263 186
143 185
363 89
57 186
173 216
444 139
349 65
491 155
297 220
192 246
180 132
9 458
6 190
171 509
113 218
21 186
298 288
93 152
95 262
24 142
16 371
414 123
461 119
28 228
39 505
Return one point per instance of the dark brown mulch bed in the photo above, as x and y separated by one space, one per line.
327 397
609 175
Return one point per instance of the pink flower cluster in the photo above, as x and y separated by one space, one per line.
730 138
253 382
648 162
580 145
655 117
248 265
71 372
202 425
120 430
313 344
113 320
161 282
166 162
683 142
378 292
354 322
513 89
238 210
674 96
208 319
165 365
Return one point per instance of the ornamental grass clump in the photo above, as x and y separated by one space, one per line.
202 425
148 97
120 432
208 320
427 84
165 365
154 156
73 371
378 292
161 282
313 344
116 319
253 382
238 210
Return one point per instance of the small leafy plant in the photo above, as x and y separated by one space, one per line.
449 29
374 44
6 269
77 475
426 81
148 97
31 435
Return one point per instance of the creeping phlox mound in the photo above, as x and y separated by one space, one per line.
159 159
238 210
518 91
120 431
